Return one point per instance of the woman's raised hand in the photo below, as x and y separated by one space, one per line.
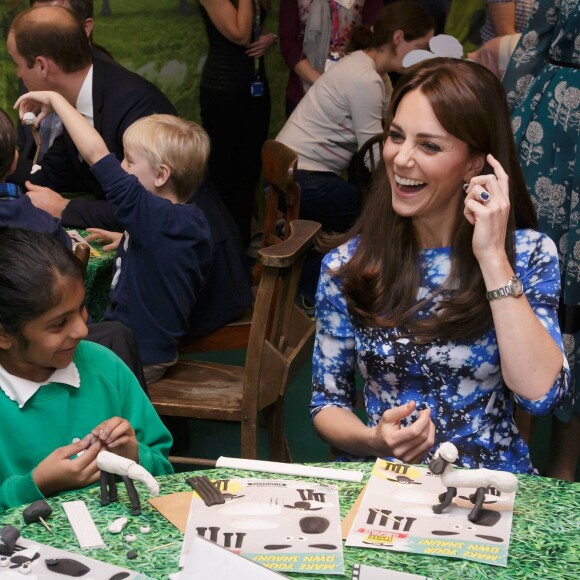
487 207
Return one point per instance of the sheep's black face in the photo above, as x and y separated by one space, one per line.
437 465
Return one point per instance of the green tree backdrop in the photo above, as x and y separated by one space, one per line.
156 39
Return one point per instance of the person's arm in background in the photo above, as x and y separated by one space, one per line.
233 23
290 29
503 16
260 46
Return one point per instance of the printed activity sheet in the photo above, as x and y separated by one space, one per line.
396 514
286 526
35 560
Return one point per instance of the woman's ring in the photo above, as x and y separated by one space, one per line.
485 196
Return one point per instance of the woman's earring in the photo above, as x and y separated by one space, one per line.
465 186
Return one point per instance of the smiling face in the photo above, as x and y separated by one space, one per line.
48 342
426 168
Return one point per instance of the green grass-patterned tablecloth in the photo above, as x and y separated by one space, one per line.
98 280
545 540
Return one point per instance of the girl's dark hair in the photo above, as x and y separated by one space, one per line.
7 143
32 266
410 17
381 279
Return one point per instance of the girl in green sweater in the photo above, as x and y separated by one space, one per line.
60 395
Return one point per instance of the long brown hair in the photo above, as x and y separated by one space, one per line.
382 278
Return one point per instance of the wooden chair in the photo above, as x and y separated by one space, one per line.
279 171
83 252
279 164
372 149
281 340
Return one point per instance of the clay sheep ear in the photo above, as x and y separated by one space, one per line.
440 45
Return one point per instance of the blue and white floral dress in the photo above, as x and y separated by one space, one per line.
461 382
543 88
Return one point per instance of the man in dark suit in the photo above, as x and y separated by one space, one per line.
52 52
62 62
51 126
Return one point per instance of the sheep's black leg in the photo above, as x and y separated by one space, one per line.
133 496
107 494
113 497
445 500
478 503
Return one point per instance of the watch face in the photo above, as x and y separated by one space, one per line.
517 287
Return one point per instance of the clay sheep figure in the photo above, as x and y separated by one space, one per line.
111 465
481 479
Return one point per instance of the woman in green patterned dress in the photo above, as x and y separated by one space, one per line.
543 87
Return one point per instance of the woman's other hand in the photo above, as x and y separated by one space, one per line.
259 47
409 444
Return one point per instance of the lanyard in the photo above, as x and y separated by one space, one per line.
257 86
256 36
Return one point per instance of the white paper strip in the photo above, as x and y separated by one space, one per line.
290 469
83 525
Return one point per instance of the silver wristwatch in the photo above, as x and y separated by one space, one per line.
514 288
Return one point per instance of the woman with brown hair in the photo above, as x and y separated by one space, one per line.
346 107
443 292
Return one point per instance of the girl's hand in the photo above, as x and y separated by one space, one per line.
58 472
409 444
117 436
488 218
33 101
261 46
111 239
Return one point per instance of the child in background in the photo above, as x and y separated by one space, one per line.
16 210
55 387
165 253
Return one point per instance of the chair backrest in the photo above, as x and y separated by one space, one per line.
279 164
281 335
371 151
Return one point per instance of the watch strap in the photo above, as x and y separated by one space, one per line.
507 290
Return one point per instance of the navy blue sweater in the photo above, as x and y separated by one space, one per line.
19 212
161 262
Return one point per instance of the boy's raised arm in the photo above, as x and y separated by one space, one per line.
86 138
